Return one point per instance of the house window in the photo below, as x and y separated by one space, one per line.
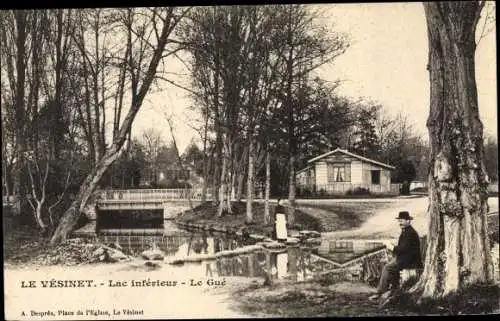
376 177
339 173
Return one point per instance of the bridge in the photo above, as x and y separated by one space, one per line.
172 201
137 199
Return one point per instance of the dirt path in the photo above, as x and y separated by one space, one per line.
381 224
180 301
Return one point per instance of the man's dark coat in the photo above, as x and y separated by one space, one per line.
407 251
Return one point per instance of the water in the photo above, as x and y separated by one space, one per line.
130 219
343 251
294 263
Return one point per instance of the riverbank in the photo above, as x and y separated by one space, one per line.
325 298
320 297
21 243
26 247
206 215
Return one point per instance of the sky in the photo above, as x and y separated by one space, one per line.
386 63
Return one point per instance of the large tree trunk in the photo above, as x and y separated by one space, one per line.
205 163
458 248
292 148
218 165
224 202
250 184
233 179
239 190
267 215
20 111
72 214
38 215
291 191
229 172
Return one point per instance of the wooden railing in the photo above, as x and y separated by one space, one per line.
151 195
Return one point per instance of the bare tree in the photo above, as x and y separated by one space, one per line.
307 47
144 38
179 159
152 142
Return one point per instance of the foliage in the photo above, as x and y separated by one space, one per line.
125 172
364 137
194 157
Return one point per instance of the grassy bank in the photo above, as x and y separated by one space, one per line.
475 299
206 213
20 242
342 216
311 299
324 298
26 247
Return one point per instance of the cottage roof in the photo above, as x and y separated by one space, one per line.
343 151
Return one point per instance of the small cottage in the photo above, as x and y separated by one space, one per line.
340 171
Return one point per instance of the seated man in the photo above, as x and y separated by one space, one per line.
407 255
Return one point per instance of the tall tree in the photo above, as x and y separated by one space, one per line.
248 62
147 40
307 46
458 252
365 136
152 142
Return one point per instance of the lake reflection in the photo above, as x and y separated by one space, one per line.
294 263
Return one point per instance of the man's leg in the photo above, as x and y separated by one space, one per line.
389 273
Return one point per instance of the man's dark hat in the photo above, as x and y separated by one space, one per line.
404 215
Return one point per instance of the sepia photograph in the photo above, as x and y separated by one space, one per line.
250 161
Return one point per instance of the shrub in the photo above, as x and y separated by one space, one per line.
359 191
420 189
304 192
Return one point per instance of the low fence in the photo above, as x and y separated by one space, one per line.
151 194
347 188
366 268
492 187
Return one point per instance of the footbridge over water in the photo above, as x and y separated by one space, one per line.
172 201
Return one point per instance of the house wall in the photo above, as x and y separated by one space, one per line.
322 165
356 172
385 178
300 178
305 178
321 173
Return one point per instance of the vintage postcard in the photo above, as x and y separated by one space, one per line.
250 161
